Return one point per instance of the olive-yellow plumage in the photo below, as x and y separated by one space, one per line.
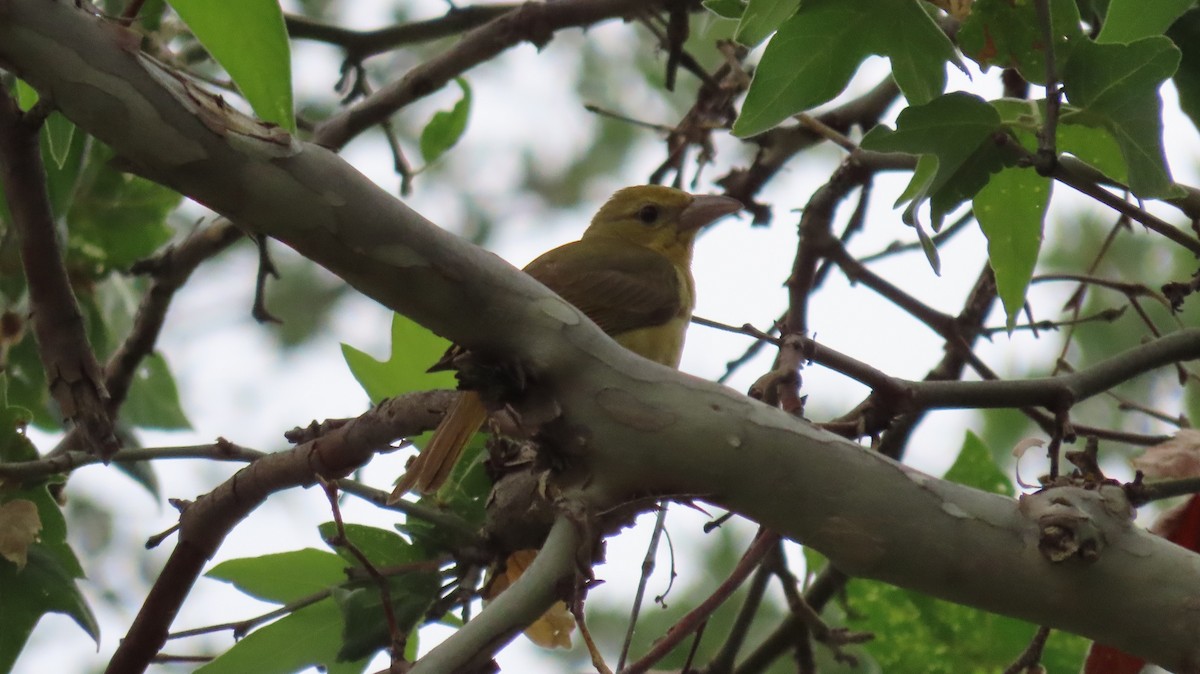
630 273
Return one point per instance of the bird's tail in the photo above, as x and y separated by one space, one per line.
431 468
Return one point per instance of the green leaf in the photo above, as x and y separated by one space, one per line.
366 630
1186 35
1094 145
1130 20
58 130
1010 210
153 400
26 384
957 130
1116 86
761 18
1008 34
382 547
46 584
814 54
248 38
141 472
915 633
976 467
115 218
283 577
308 637
726 9
446 127
14 444
414 350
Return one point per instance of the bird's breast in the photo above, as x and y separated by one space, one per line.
661 343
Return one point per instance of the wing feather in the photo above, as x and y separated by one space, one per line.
620 287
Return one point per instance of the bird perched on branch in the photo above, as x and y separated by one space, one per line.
630 273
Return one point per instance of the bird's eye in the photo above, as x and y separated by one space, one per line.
648 214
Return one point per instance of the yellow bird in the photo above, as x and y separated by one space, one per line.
630 273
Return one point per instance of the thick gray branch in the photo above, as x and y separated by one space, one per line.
646 429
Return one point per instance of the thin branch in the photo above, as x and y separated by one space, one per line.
529 22
778 146
72 371
938 238
691 622
1066 174
723 661
169 270
1141 493
66 462
242 627
1031 658
341 540
1047 154
205 523
647 570
360 45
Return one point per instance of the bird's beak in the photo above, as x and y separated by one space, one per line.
706 208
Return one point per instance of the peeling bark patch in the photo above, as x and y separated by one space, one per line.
396 254
125 99
954 510
245 133
629 410
559 309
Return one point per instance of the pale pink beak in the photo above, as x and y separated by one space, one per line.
706 208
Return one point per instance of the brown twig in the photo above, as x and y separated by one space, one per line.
360 45
205 523
169 270
529 22
72 371
1030 660
1047 154
640 594
341 540
691 622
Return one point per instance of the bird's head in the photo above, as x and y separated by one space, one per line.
660 218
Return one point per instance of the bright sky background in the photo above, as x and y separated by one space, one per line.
236 383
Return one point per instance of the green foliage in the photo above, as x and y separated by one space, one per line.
760 18
1185 33
306 637
1116 86
153 400
446 126
813 55
284 576
341 631
414 350
1131 20
1008 34
411 592
957 131
1010 209
726 9
915 633
58 131
115 219
46 583
976 467
249 40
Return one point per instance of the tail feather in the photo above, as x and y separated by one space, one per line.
431 468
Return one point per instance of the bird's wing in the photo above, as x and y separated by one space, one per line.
619 286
